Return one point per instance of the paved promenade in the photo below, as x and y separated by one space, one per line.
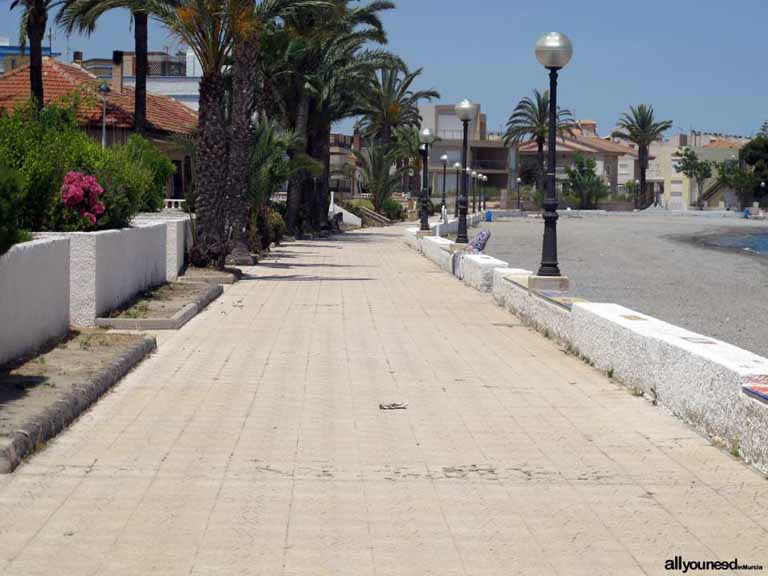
253 443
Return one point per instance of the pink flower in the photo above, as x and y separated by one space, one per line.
72 195
98 208
90 217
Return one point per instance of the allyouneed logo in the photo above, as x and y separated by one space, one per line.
681 565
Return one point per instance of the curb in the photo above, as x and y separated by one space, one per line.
55 418
234 275
174 323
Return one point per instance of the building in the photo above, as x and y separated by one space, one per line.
344 166
14 56
174 75
166 118
615 162
487 152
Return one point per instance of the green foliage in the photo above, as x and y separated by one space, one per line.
267 226
392 209
585 186
43 150
11 197
732 174
149 158
377 176
698 170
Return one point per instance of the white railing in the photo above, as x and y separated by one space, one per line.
174 204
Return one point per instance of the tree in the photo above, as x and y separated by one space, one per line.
204 27
640 127
33 22
389 102
530 121
377 174
406 150
630 188
733 174
584 182
696 169
83 16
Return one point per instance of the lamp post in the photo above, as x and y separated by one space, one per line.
637 193
474 191
104 90
426 138
485 192
518 181
457 167
444 160
553 51
466 111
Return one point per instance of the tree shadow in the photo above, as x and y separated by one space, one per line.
298 278
15 386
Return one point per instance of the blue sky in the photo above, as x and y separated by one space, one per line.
690 59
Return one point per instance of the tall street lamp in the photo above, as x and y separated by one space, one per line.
426 138
444 160
466 111
485 192
518 181
104 90
474 191
553 51
457 167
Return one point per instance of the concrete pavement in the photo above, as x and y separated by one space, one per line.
253 443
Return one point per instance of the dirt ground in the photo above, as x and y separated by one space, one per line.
162 302
29 388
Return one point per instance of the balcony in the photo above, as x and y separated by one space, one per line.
483 164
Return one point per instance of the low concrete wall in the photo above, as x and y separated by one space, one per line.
510 290
109 268
349 220
34 296
698 378
439 251
477 270
178 238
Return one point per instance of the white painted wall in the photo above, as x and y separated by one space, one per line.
34 296
178 238
109 268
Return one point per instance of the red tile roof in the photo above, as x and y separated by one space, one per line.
580 143
727 144
164 114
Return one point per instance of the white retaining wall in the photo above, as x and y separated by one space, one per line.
697 378
109 268
34 296
178 239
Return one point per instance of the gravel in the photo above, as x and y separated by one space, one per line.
663 266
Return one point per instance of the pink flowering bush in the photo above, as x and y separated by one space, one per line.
80 194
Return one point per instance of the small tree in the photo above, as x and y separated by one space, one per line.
631 187
378 176
732 174
584 182
696 169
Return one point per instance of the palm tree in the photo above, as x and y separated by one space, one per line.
530 121
376 174
33 21
83 16
640 126
307 33
390 102
204 27
406 149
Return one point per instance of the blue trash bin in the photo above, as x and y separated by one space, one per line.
488 215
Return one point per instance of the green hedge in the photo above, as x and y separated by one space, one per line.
43 150
11 197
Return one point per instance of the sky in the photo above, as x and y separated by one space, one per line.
695 61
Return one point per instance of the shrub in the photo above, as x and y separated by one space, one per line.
44 150
80 195
11 197
277 226
392 209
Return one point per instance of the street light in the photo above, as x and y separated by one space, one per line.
553 51
457 167
466 111
104 90
444 160
474 190
518 181
484 195
426 138
637 193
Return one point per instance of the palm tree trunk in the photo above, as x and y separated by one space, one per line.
36 23
211 174
643 168
142 68
296 182
246 53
